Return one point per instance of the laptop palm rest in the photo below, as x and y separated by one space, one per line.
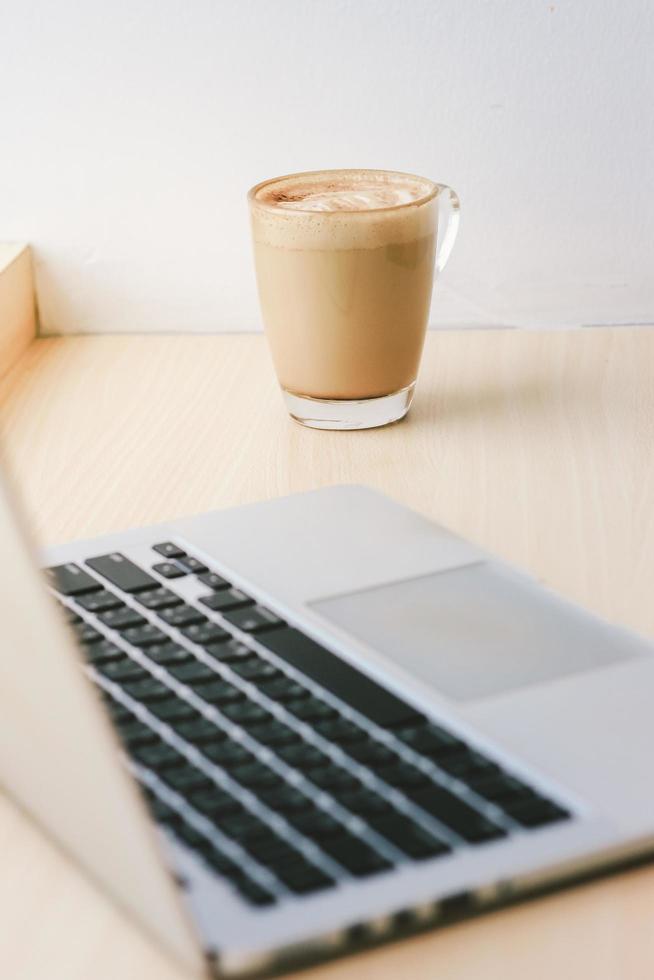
475 631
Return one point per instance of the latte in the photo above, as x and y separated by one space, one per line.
344 263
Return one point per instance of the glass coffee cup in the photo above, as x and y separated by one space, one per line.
345 263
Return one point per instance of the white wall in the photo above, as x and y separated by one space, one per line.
130 131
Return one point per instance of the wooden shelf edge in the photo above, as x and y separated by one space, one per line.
18 321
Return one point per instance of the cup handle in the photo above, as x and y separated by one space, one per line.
449 207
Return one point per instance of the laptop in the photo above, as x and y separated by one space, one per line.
287 730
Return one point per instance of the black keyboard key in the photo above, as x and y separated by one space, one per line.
159 757
304 756
168 569
200 731
227 600
220 692
122 619
120 713
303 878
246 713
144 636
230 653
161 812
311 709
500 788
121 716
216 803
104 653
98 602
185 780
206 633
85 634
271 850
211 738
226 754
372 753
253 892
274 734
431 740
193 839
156 599
122 572
168 654
194 673
135 734
192 564
282 689
285 800
355 855
148 690
173 711
255 669
70 579
182 615
339 677
341 731
214 581
407 836
364 802
122 670
169 550
316 824
456 814
256 776
221 864
536 813
256 619
468 764
403 776
333 779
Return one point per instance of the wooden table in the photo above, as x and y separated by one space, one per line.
536 445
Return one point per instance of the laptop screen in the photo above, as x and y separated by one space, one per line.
59 757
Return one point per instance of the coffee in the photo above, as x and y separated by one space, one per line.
344 263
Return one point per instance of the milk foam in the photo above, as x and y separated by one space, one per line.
341 209
362 199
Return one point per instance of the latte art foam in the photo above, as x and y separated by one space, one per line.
343 190
361 199
333 209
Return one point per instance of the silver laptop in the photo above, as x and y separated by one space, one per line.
286 730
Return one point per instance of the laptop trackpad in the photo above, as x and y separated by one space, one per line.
477 630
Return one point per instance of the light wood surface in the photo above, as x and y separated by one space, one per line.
17 304
536 445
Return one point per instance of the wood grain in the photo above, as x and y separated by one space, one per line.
17 304
536 445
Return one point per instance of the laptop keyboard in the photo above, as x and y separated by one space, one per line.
284 768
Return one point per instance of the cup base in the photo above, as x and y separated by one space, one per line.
345 413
